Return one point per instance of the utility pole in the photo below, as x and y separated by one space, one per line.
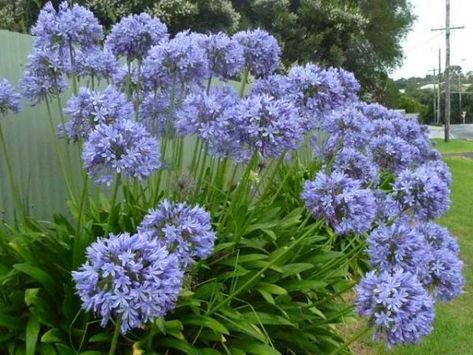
438 86
435 99
447 30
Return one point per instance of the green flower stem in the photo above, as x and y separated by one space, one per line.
169 125
351 341
244 79
11 176
116 184
116 333
68 152
209 84
58 153
80 244
138 91
281 253
128 81
74 76
196 154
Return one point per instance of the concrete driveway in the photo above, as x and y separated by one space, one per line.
457 131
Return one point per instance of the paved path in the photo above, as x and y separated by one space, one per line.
468 155
457 131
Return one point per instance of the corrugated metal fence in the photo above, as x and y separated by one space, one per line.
29 142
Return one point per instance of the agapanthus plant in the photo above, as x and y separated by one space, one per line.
184 230
124 147
9 98
397 306
131 278
341 201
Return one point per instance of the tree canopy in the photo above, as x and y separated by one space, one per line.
362 36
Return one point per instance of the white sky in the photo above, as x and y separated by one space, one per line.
421 44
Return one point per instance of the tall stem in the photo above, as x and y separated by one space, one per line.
244 79
11 176
116 184
58 152
116 333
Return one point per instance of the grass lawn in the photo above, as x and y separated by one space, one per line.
455 146
453 326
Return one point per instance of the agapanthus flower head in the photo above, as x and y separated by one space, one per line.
134 35
443 274
132 278
391 153
186 231
356 165
423 192
269 126
182 59
9 98
43 75
347 128
203 113
97 63
73 26
275 85
398 245
341 201
154 111
397 306
225 55
91 108
437 236
124 147
319 91
388 208
260 50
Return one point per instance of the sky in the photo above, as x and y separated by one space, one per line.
421 45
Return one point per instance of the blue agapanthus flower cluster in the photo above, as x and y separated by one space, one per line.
181 60
9 98
260 50
398 245
134 35
74 27
396 304
341 201
444 268
423 192
90 108
269 126
225 55
185 231
356 165
132 278
121 147
97 63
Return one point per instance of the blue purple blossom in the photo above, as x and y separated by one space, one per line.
134 35
91 108
356 165
43 75
9 98
67 28
397 306
186 231
154 111
423 192
391 153
97 63
182 59
122 147
224 54
319 91
398 245
132 278
443 274
268 125
260 50
341 201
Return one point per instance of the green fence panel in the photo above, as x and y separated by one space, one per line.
30 143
